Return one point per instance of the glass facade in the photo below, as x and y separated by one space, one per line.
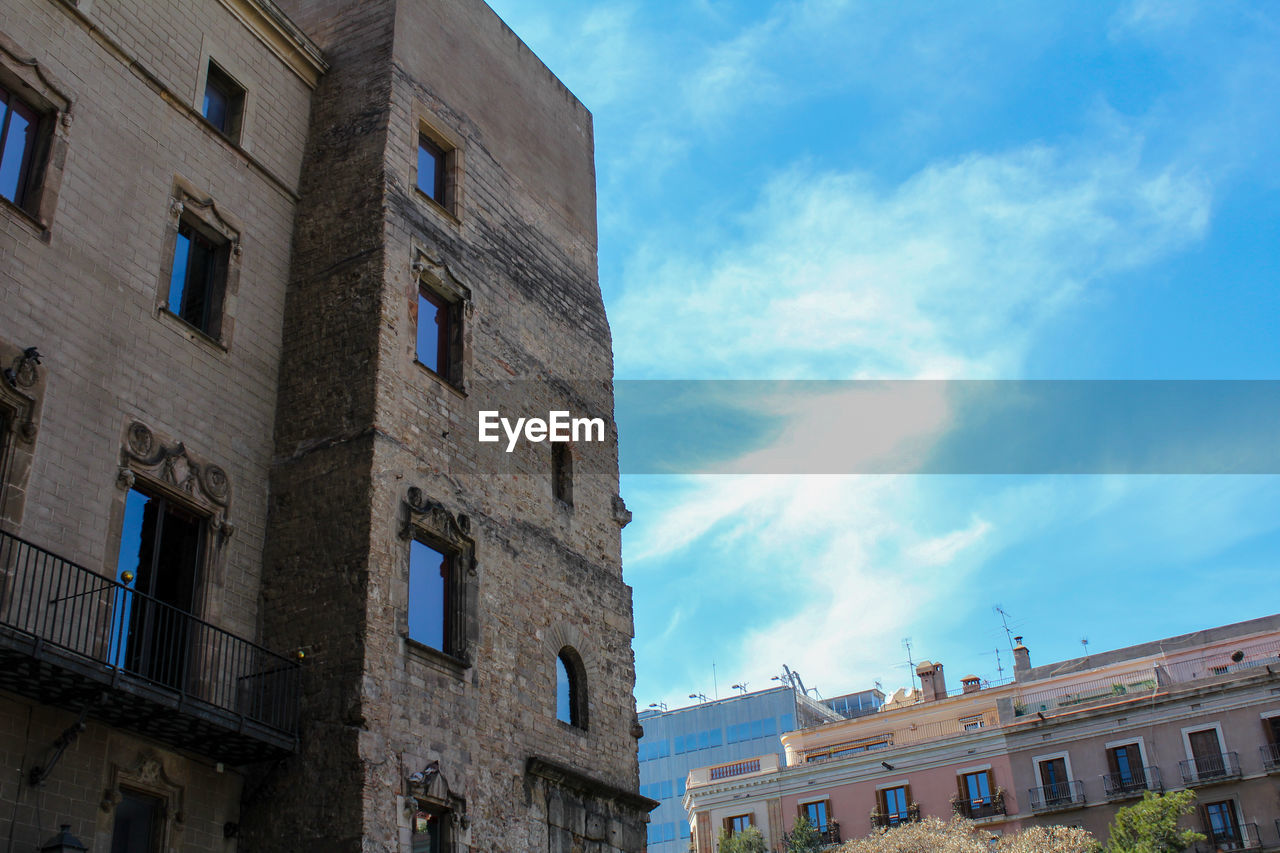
717 732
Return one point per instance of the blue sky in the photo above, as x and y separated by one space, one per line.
829 189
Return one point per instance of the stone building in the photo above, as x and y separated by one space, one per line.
1063 743
262 265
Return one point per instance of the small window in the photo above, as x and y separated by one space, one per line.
739 823
571 694
430 597
816 814
198 278
223 102
431 171
19 137
976 788
439 335
138 824
562 472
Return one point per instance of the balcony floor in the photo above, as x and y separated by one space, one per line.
55 677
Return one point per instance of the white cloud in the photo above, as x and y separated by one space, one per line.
949 273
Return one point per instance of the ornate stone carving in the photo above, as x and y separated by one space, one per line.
621 515
423 513
147 456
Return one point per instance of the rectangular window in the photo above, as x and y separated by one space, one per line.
738 823
972 724
19 126
895 802
977 788
429 596
439 334
198 278
1222 826
816 814
223 102
161 550
1206 753
1125 763
137 827
431 170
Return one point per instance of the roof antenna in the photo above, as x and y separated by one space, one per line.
999 666
1084 641
911 664
1004 621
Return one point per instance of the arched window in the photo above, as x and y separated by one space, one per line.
571 691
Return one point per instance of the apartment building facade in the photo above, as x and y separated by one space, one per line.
1065 743
261 264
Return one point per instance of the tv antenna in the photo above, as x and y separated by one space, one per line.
1004 622
1084 641
911 664
999 666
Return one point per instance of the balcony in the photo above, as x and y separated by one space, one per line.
892 819
1244 837
981 808
1270 757
828 836
1058 797
1210 769
72 638
1124 786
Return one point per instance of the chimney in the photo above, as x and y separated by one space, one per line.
1021 659
932 683
972 684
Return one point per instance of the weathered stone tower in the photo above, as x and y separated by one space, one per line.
446 598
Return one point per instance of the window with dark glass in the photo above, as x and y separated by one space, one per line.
19 137
431 170
1222 824
137 827
435 331
1125 764
1206 753
223 102
430 597
198 278
161 551
562 472
430 831
816 814
571 698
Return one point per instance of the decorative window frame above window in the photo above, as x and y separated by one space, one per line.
427 792
21 398
431 130
144 774
189 209
429 522
435 280
26 79
166 468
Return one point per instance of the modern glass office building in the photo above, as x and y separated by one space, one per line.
714 732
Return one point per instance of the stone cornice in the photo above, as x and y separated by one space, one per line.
282 36
576 780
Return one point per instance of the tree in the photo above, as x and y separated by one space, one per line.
931 835
803 837
1151 826
748 840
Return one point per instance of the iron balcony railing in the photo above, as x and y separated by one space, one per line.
1243 837
55 603
1119 786
830 834
1208 769
980 808
1270 757
1058 796
885 821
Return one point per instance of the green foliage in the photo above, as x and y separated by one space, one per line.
1151 826
748 841
803 837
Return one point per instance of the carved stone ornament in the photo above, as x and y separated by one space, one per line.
437 274
148 456
147 774
422 513
176 207
621 515
430 789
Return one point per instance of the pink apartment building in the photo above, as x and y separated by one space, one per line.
1065 743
